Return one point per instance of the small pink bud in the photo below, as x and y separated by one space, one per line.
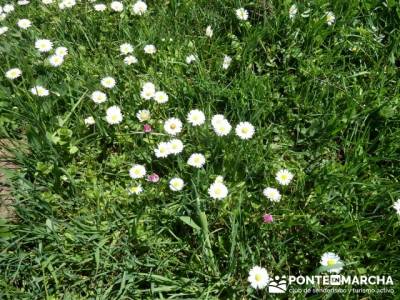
147 128
267 218
153 178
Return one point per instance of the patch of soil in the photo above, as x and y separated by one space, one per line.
7 210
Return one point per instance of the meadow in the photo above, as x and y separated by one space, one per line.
192 149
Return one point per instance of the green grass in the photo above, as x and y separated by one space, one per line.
325 111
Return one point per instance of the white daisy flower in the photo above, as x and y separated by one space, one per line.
147 94
176 146
293 11
8 8
148 91
47 1
163 150
218 190
272 194
61 51
137 171
56 60
173 126
98 97
258 277
196 117
227 62
2 18
3 30
24 23
43 45
150 49
396 206
284 177
148 86
190 58
330 18
108 82
126 48
130 59
242 14
209 32
67 4
39 91
114 115
143 115
196 160
23 2
216 119
89 121
13 73
245 130
100 7
219 178
176 184
332 261
160 97
139 8
222 128
135 190
117 6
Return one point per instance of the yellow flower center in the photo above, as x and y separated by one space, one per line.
331 262
245 130
134 189
172 126
258 277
